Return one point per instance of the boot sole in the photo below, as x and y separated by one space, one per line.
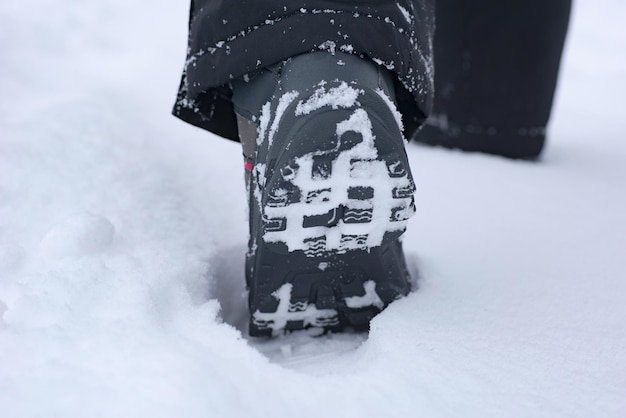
327 212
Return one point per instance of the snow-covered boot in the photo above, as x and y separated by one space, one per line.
330 193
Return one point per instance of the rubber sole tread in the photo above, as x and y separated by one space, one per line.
331 194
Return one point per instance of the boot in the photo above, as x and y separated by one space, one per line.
330 193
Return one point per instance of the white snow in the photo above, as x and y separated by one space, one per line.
264 121
78 235
392 106
342 96
370 298
122 234
283 103
407 16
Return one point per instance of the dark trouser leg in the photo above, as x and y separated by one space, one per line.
228 39
496 66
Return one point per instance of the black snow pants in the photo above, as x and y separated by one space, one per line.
231 38
496 67
496 61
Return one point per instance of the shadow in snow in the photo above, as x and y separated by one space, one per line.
228 285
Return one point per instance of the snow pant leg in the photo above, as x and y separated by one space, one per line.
231 38
496 67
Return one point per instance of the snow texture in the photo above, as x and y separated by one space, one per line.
370 298
342 96
283 103
122 234
392 106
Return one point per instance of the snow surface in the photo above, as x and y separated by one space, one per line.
122 232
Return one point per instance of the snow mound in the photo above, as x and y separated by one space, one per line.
78 235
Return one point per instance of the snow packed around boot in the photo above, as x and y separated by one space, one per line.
123 240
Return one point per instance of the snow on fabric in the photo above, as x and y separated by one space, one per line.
122 233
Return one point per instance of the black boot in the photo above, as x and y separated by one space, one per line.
330 193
